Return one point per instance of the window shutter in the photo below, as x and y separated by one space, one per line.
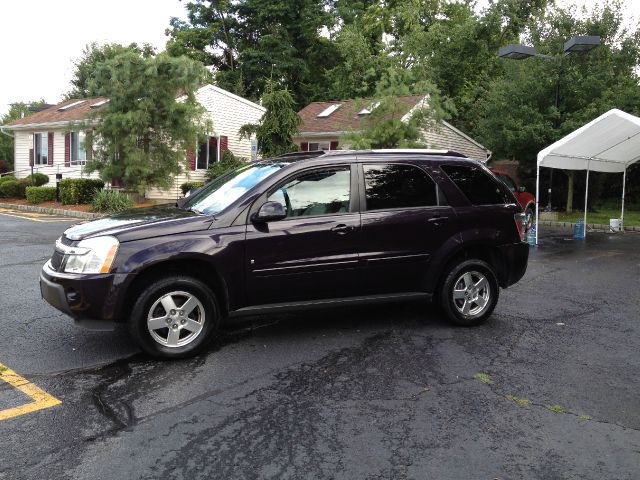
304 146
333 145
191 156
67 149
88 147
224 145
50 152
31 157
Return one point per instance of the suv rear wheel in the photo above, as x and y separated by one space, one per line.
469 293
175 317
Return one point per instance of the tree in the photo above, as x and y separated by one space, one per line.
278 125
384 127
144 131
16 110
248 42
94 54
517 114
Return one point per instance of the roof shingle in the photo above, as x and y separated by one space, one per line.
344 118
53 114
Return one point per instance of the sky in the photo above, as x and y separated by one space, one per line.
40 39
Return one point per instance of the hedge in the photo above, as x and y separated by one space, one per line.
41 194
39 179
185 187
7 178
14 188
74 191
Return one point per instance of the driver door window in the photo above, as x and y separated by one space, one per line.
320 192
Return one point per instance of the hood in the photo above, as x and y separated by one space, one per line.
142 223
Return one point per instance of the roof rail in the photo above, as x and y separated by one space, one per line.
313 153
424 151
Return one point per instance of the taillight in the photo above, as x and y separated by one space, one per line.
521 225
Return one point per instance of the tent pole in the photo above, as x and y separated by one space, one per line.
537 200
624 178
586 196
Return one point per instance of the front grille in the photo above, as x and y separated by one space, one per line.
57 257
56 260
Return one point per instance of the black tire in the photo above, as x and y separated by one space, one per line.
454 278
531 216
206 312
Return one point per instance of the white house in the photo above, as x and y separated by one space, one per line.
324 123
45 141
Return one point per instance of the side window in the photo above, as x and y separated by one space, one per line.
321 192
398 186
507 181
477 185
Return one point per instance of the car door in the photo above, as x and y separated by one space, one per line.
312 253
405 219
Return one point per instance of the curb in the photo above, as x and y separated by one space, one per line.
50 211
592 226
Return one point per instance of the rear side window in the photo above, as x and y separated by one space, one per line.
507 181
398 186
477 185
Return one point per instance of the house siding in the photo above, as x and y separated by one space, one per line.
24 142
228 113
445 137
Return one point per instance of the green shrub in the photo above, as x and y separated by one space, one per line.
185 187
74 191
228 162
41 194
39 179
13 189
6 178
111 201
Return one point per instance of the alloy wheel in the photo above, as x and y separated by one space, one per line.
471 294
176 319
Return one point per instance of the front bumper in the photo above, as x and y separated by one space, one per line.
91 300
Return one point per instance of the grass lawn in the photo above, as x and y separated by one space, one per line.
602 216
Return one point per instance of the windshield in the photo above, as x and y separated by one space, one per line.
223 191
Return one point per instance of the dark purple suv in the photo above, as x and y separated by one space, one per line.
299 231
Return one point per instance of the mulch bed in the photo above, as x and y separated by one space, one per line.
77 208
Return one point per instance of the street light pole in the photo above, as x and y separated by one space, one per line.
516 51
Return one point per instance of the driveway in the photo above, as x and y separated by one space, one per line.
547 389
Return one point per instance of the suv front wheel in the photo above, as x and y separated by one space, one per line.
469 292
174 317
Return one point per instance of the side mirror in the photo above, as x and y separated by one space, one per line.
270 212
522 189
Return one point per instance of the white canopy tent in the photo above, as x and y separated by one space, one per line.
610 143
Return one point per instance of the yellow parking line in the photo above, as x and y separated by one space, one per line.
41 399
35 217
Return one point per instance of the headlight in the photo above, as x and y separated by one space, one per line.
94 255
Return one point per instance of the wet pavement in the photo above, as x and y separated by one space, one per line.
548 388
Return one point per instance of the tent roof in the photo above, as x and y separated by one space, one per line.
610 143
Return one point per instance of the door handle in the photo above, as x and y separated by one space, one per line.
438 220
341 229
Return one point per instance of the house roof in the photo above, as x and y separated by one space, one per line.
57 113
346 116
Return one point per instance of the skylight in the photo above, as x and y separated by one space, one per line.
369 109
329 110
99 104
71 105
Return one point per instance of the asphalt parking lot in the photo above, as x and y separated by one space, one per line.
547 389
